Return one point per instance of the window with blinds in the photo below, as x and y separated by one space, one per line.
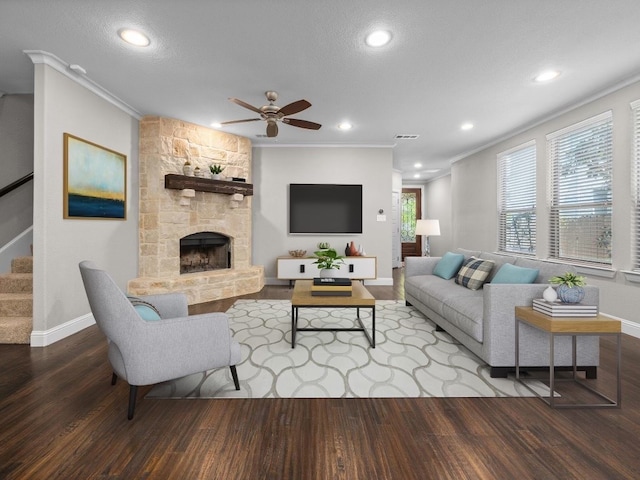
635 186
580 193
517 199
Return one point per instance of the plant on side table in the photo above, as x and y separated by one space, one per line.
569 287
328 260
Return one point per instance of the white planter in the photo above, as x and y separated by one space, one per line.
329 273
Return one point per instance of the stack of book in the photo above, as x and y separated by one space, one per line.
331 287
557 309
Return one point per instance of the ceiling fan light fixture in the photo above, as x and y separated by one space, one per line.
134 37
378 38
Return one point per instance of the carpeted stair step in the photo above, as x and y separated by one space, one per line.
16 329
16 304
16 283
22 265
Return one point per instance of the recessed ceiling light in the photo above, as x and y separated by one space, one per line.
345 126
417 165
466 126
378 38
416 175
216 125
134 37
546 76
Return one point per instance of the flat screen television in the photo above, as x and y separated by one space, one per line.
325 208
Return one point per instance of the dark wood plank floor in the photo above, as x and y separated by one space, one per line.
61 418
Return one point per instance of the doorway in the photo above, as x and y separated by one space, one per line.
410 211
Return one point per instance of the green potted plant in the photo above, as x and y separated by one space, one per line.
328 261
216 170
569 287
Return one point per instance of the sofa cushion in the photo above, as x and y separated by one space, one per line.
546 269
513 274
465 312
474 273
498 259
448 265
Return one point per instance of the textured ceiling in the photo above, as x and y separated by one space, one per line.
449 62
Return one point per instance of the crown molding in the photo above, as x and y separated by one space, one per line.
323 145
76 75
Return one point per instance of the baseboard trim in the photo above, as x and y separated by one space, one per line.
57 333
628 327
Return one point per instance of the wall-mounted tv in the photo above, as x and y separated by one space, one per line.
325 208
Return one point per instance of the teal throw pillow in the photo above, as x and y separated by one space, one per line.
146 311
509 273
448 265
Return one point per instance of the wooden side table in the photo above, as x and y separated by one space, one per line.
573 326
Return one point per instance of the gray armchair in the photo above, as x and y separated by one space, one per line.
147 352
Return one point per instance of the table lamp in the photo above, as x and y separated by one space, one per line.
428 228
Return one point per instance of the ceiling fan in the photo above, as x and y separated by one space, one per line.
273 114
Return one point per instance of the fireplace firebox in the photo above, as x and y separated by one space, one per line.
204 251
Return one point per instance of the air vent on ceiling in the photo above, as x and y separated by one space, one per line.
261 135
406 137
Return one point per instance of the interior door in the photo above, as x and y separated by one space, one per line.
410 211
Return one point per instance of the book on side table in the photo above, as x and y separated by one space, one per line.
558 309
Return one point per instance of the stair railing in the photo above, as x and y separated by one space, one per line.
12 186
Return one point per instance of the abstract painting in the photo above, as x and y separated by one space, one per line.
95 180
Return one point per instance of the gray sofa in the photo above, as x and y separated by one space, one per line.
483 320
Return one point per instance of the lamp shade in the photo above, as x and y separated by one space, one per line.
428 227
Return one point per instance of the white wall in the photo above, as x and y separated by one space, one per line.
62 105
474 199
16 152
437 200
274 168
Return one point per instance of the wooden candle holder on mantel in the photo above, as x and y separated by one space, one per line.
200 184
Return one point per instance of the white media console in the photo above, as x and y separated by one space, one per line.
356 268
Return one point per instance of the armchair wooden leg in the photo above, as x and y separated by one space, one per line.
234 374
133 391
114 378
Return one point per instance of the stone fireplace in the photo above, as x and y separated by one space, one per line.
197 242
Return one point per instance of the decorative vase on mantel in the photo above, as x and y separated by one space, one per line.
187 169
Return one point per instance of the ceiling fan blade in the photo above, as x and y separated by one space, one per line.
240 121
245 105
302 123
294 107
272 129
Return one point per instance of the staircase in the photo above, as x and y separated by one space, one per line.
16 302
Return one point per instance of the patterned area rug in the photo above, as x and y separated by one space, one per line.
411 359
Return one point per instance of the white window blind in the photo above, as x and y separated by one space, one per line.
581 159
517 199
635 186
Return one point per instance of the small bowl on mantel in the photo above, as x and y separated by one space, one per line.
297 253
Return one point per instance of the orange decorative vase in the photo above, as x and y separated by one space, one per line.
353 251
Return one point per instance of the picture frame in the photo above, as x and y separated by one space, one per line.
95 181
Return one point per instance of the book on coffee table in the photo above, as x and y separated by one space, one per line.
335 281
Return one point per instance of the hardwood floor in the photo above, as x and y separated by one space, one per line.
61 418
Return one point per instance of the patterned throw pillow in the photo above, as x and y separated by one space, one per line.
474 273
